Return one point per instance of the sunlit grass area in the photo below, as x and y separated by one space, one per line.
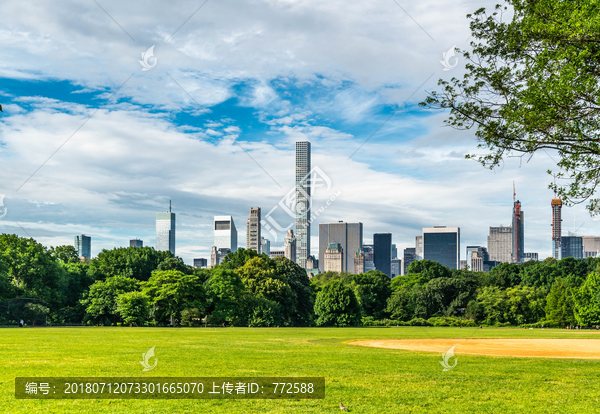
366 380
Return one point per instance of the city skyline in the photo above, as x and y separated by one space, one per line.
240 113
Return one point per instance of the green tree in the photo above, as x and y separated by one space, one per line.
239 258
133 307
66 254
428 270
34 312
559 304
261 278
301 287
101 300
225 290
587 301
531 84
175 263
336 304
401 304
172 291
31 268
135 262
372 290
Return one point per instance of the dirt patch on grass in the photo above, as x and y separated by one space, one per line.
540 348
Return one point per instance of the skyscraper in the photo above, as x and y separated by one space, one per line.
225 235
394 251
556 227
382 248
410 256
265 246
368 251
253 230
419 248
499 244
350 237
136 243
518 238
165 231
571 246
289 245
442 244
83 245
303 203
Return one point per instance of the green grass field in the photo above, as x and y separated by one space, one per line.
366 380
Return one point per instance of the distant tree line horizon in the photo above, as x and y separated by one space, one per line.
146 287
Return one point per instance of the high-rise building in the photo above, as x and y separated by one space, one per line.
369 257
225 233
518 225
591 246
394 251
253 230
217 255
165 231
571 246
442 244
410 255
419 248
478 259
83 245
303 202
359 262
382 244
396 267
289 245
348 235
201 263
334 257
265 246
136 243
499 244
556 227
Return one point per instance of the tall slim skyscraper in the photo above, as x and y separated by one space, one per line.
303 203
442 244
556 227
289 246
382 248
518 224
394 251
350 237
165 231
225 233
83 245
253 230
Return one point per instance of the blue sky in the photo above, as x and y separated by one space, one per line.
212 125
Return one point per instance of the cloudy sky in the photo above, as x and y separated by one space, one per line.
91 143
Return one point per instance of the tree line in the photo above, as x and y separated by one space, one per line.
142 286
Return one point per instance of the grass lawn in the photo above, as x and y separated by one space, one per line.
366 380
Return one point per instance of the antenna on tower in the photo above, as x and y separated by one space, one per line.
169 206
514 192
